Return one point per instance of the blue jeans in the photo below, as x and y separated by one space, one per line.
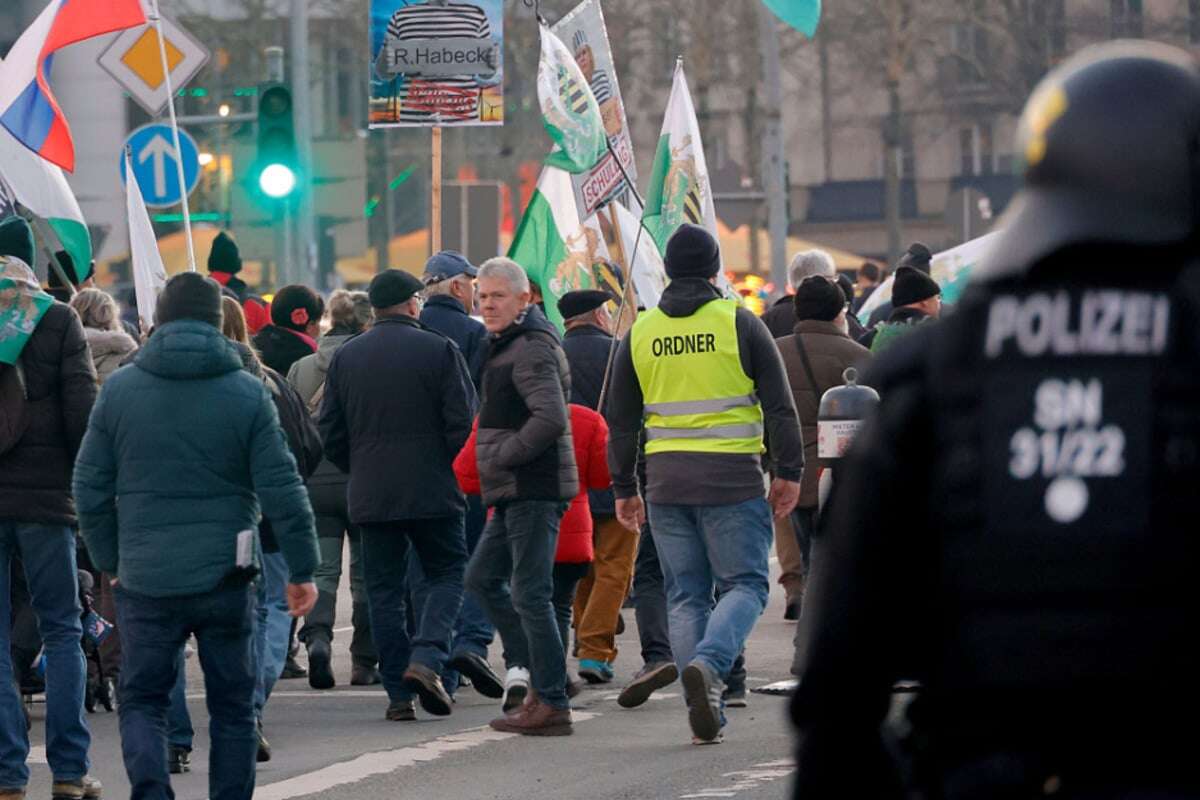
707 551
153 632
48 552
472 631
512 575
441 548
273 627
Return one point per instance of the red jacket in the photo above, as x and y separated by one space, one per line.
590 433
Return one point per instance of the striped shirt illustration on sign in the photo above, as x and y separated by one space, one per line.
443 98
601 87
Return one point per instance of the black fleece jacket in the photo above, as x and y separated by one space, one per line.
705 479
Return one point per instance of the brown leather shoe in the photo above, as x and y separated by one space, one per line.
428 687
536 719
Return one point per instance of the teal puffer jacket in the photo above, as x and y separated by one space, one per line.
181 451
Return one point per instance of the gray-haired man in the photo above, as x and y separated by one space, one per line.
528 475
781 318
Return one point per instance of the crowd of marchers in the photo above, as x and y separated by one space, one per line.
199 478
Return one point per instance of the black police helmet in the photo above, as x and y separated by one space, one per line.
1110 143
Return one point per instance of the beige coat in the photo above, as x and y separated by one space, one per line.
109 349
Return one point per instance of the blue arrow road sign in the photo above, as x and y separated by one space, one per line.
153 153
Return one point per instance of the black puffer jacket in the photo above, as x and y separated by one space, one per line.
280 348
524 447
35 476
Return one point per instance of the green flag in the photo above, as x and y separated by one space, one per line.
569 109
22 304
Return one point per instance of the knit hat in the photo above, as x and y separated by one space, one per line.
819 298
189 295
692 252
16 239
224 256
393 287
577 303
912 286
917 256
296 307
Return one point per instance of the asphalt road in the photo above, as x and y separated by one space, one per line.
336 745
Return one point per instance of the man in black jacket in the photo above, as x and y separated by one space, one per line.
598 599
450 291
528 475
450 298
397 409
1041 446
37 513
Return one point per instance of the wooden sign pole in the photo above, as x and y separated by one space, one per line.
435 216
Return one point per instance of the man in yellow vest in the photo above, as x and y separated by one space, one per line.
703 379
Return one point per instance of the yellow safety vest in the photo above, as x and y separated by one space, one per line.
697 397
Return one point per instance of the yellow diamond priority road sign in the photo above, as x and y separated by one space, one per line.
135 61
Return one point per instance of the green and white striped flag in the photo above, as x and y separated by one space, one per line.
42 188
679 190
569 109
558 251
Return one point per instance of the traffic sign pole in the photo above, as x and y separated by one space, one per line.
187 216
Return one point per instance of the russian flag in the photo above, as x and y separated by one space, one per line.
27 106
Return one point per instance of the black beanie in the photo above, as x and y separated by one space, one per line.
16 239
819 298
692 252
189 295
296 307
912 286
224 256
917 256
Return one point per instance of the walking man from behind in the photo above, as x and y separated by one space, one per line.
705 380
47 387
182 453
527 470
397 409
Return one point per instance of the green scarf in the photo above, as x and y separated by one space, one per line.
22 304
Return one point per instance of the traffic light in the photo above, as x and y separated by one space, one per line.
277 161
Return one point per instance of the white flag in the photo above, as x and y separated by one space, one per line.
149 276
649 276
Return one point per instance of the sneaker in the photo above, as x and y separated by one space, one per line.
401 711
85 788
320 669
734 697
702 692
292 670
479 672
652 678
696 740
536 719
179 760
264 747
362 675
428 687
516 688
594 671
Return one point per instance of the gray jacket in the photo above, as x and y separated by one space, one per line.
524 446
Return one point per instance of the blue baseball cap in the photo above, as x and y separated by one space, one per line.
446 265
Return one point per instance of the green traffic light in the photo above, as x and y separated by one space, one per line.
277 180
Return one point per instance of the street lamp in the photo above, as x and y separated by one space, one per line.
224 110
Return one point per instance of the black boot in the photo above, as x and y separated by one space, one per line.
320 669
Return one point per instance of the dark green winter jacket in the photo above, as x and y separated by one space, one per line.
182 448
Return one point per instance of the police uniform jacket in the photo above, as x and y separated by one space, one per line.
1015 530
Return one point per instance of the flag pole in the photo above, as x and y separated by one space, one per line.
183 198
435 193
43 236
612 347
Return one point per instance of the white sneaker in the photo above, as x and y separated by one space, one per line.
516 688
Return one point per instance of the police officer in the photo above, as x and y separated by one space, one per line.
704 379
1015 527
